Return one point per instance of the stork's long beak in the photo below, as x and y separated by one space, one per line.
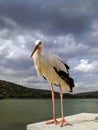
36 47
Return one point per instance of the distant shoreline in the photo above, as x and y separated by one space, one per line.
10 90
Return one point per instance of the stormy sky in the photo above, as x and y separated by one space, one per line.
68 28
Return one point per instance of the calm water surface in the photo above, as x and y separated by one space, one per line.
15 114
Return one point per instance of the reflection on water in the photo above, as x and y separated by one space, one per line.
15 114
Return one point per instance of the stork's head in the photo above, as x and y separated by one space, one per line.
38 47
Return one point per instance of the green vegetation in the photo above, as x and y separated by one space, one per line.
12 90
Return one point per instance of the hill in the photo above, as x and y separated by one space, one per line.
87 95
12 90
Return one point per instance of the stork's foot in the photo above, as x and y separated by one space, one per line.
54 121
64 121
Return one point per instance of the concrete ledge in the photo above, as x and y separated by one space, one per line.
82 121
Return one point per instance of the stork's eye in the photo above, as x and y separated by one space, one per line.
40 43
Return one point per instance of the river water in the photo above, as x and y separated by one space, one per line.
15 114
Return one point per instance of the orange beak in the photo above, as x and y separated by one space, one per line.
36 47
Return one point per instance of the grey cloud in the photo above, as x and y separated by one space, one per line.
16 64
51 17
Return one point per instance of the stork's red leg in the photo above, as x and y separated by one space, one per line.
54 121
63 120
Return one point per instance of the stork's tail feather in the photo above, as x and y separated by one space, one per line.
71 84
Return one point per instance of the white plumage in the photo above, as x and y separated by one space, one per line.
52 68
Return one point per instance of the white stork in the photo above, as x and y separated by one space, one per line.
53 69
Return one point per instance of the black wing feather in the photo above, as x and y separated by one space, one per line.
66 66
66 78
44 77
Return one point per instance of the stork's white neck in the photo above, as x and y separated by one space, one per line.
37 55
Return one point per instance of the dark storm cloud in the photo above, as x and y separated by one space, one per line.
50 17
16 64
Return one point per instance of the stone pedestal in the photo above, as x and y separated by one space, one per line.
82 121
